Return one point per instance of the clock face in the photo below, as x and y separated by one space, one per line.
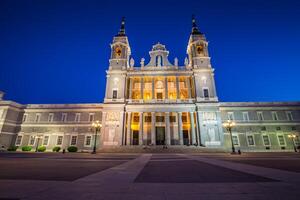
118 52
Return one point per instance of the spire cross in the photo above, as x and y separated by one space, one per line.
195 30
122 28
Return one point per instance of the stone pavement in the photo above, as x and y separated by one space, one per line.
164 176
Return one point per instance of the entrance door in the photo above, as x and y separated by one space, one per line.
135 137
160 135
185 137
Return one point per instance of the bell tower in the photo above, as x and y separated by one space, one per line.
118 64
197 49
199 62
120 50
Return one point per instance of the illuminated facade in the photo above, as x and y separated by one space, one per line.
155 103
161 103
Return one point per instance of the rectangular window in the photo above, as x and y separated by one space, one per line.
266 140
18 140
250 139
50 117
31 140
46 140
136 118
115 94
274 116
230 116
205 93
289 116
263 128
148 119
260 116
278 128
235 140
37 117
281 140
77 117
172 119
184 119
91 117
245 116
24 118
73 140
59 140
64 117
160 119
88 140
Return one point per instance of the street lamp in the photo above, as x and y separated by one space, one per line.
97 125
37 142
229 125
293 136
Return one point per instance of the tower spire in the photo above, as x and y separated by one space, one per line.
195 30
122 28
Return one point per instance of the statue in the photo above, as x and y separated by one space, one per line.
176 62
142 62
131 62
186 61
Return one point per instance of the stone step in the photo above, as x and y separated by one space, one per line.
160 149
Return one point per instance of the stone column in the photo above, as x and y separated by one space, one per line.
141 134
168 134
153 97
128 134
130 88
166 88
193 128
188 84
153 136
102 136
177 88
197 130
180 128
142 88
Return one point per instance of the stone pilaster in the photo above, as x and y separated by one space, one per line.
188 87
177 88
166 88
128 134
153 84
141 133
168 134
153 136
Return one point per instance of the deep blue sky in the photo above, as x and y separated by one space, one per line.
57 51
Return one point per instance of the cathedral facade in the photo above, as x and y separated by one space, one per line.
155 103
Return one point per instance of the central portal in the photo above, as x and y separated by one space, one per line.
160 135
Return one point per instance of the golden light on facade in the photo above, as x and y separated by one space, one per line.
229 124
292 136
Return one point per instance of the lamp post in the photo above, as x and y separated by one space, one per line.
229 125
97 126
293 136
37 142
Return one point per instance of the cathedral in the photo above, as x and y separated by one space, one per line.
159 103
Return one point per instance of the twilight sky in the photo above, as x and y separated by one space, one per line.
57 51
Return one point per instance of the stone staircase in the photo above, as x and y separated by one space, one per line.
160 149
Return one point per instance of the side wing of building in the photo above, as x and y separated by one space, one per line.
262 126
49 125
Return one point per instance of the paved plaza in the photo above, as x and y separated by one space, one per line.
149 176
